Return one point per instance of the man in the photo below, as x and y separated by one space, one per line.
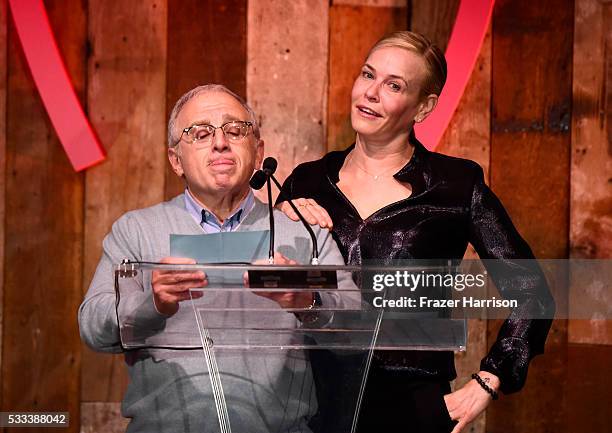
214 145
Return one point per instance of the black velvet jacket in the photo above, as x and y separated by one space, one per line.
450 206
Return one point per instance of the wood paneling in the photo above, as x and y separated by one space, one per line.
201 50
127 106
531 112
434 19
596 330
353 31
287 77
591 202
43 233
3 83
591 169
375 3
532 75
469 133
588 393
102 417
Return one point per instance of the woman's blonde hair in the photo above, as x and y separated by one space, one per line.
419 44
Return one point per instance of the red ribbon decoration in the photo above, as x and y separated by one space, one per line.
463 48
54 85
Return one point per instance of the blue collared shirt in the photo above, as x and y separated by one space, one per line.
209 222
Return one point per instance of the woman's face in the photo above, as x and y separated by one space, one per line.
386 96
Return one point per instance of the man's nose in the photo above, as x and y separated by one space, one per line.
219 141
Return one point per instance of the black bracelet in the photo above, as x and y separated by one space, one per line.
485 386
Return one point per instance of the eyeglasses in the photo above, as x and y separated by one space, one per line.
202 135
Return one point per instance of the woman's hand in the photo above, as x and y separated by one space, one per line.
465 404
310 209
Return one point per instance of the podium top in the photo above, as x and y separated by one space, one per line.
227 314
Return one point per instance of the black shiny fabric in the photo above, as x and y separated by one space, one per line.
450 206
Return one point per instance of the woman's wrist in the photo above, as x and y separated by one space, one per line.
487 381
490 379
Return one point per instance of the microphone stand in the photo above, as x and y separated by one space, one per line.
315 250
257 181
271 216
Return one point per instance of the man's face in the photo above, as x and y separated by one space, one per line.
223 166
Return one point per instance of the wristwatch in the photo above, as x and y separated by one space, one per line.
310 316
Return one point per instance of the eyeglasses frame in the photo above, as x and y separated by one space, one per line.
186 130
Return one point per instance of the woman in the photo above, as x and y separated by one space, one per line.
390 198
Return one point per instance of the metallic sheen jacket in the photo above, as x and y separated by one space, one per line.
450 206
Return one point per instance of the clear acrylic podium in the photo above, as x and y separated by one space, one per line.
276 363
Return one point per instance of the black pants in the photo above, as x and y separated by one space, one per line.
393 403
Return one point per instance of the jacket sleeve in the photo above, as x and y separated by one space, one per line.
286 192
517 275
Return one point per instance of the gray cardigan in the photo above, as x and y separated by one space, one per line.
169 390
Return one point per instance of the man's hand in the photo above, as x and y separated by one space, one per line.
292 299
465 404
310 209
172 287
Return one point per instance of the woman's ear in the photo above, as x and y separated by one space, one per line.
426 107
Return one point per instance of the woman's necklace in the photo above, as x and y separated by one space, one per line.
378 176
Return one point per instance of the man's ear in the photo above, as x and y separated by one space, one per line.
259 153
174 156
426 107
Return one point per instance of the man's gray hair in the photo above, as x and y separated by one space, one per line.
173 139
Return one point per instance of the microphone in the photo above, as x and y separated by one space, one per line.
269 167
257 182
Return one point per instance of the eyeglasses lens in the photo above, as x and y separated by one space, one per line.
203 134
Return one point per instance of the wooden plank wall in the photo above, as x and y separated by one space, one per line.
434 19
3 46
590 341
200 54
348 47
530 153
44 210
591 202
521 118
127 106
287 77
